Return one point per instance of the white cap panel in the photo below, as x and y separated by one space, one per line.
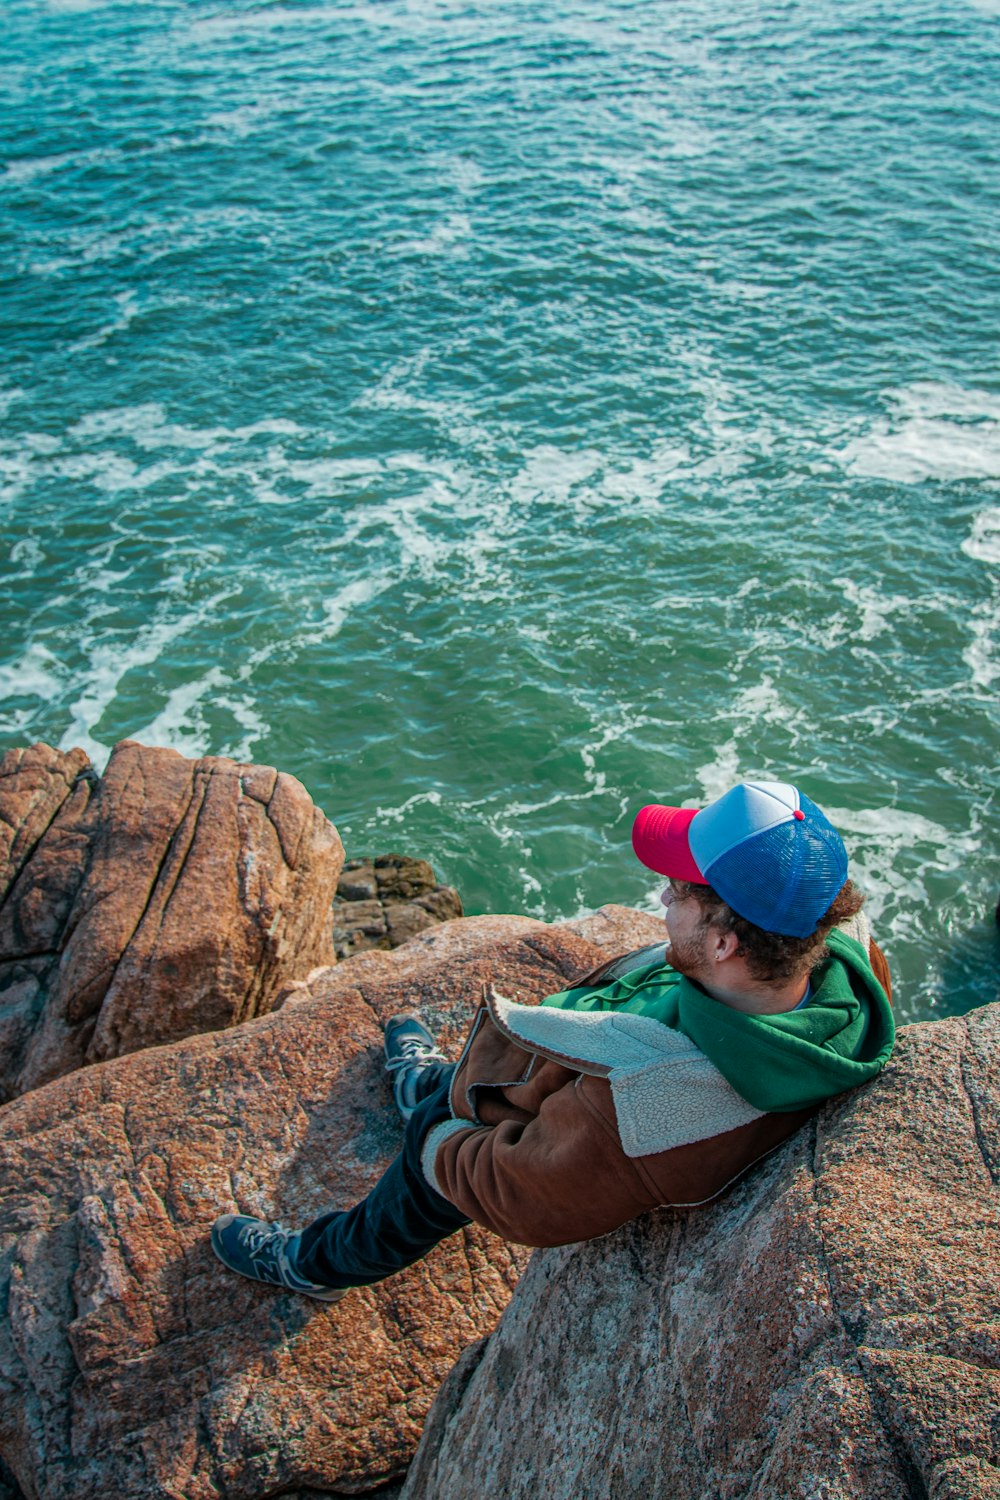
742 813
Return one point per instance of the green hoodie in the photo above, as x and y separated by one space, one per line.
841 1037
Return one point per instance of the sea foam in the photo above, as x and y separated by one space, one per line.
933 431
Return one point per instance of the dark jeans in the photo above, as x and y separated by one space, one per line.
401 1218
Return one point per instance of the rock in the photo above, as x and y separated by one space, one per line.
618 929
357 882
401 878
131 1362
384 902
828 1330
168 897
44 797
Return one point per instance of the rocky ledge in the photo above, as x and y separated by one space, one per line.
828 1330
166 897
383 902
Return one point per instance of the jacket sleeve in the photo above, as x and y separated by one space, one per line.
559 1178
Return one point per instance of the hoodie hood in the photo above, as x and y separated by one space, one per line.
795 1060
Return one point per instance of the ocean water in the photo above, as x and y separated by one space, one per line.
500 416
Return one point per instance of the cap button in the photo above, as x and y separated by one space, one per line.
798 813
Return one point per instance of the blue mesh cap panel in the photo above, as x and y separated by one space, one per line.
785 879
747 809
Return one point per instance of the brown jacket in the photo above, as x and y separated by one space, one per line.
541 1151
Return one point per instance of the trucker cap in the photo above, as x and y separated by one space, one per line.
767 849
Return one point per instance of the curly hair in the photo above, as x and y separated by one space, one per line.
772 955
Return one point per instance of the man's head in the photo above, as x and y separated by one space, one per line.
765 868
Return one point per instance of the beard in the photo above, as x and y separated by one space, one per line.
686 955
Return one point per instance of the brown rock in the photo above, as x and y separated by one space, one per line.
618 929
357 881
400 877
405 921
442 904
44 796
830 1329
170 897
384 902
131 1362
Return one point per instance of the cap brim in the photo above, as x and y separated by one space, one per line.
660 841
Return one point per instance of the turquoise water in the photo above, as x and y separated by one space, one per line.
500 416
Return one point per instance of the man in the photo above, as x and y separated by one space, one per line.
656 1080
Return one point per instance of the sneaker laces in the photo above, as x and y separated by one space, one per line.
414 1053
261 1240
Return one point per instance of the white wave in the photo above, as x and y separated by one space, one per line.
761 703
933 431
409 520
352 596
8 395
621 728
394 392
84 249
398 814
150 238
32 456
34 675
180 725
17 466
111 659
447 238
128 308
551 474
982 655
876 608
984 542
746 291
892 853
111 472
328 476
241 121
718 775
147 426
640 482
248 718
29 552
30 167
466 175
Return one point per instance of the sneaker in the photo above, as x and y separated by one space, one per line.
265 1252
409 1048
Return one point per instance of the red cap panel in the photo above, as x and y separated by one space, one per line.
660 841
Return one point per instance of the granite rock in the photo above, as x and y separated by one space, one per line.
829 1331
131 1362
167 897
384 902
44 849
618 929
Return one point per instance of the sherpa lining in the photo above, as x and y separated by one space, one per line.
666 1092
859 928
433 1139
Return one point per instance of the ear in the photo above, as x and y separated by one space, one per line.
722 945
